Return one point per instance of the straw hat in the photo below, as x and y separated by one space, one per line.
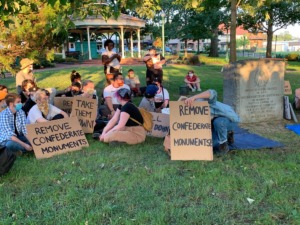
2 95
26 62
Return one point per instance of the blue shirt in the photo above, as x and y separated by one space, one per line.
7 127
218 109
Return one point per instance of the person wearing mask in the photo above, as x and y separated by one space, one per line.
154 63
148 100
110 59
224 120
26 85
26 73
75 78
43 111
124 127
31 100
161 98
2 100
192 81
111 103
13 133
74 90
133 82
88 90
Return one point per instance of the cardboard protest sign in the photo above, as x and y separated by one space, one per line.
161 125
64 103
190 128
56 137
86 111
287 88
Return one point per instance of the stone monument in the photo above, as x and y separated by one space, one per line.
255 89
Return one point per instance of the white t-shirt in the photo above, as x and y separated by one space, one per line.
114 63
110 90
132 82
160 96
35 114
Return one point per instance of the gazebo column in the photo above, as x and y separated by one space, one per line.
122 41
63 52
81 43
89 42
131 44
139 42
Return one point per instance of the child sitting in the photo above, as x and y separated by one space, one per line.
192 81
133 82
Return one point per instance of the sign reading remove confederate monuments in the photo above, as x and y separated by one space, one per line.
190 128
56 137
64 103
86 111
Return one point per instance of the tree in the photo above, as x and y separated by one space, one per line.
269 17
284 36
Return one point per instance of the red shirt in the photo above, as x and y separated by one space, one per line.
191 79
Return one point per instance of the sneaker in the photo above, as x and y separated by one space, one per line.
223 148
199 89
193 90
96 135
230 138
116 143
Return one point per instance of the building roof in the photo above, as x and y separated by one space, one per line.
124 20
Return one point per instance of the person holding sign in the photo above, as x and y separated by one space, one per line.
43 111
13 133
154 63
122 128
192 81
223 119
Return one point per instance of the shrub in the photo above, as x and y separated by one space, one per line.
58 59
71 60
292 57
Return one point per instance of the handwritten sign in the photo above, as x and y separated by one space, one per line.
190 128
287 88
56 137
161 125
64 103
86 111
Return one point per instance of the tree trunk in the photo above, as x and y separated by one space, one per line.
213 52
198 48
269 40
232 57
185 48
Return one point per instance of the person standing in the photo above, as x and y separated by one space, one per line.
154 63
13 133
110 59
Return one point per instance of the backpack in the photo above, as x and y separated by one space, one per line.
7 159
147 118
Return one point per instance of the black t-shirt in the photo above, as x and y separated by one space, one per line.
133 112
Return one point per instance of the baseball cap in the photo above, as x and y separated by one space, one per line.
151 91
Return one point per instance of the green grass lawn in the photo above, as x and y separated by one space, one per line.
141 185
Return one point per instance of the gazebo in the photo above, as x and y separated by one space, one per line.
96 25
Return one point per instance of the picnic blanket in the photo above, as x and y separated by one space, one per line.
243 139
294 127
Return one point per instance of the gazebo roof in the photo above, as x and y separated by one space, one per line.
127 21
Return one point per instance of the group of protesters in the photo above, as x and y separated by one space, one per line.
119 120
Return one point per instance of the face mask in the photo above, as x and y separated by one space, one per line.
90 91
121 83
191 74
18 106
32 98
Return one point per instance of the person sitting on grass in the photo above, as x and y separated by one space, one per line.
26 85
2 100
133 82
192 81
148 100
111 103
75 78
88 90
224 120
161 98
43 111
125 126
74 90
31 100
13 133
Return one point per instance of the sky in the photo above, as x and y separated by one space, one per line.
293 30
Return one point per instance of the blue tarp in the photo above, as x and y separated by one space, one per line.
245 140
294 127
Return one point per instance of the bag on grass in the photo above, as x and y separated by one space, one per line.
7 160
147 117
